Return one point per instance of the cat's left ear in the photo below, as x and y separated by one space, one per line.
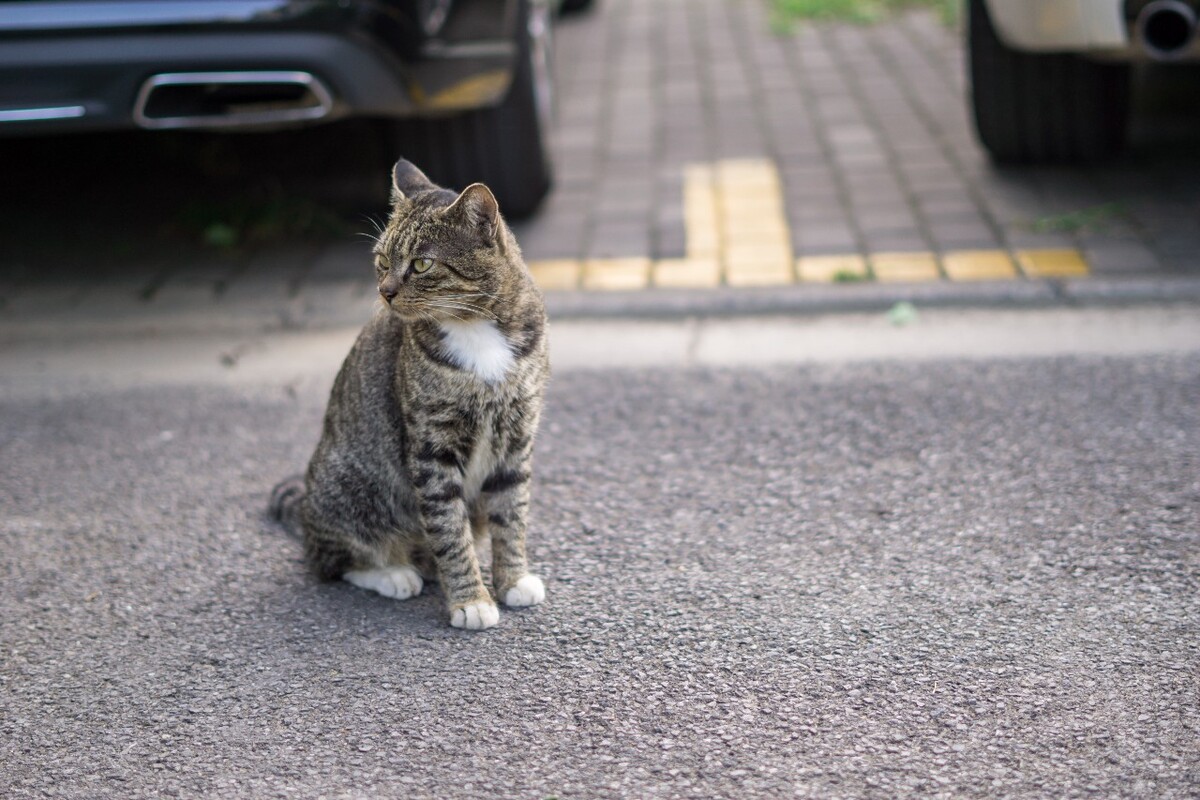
407 180
476 208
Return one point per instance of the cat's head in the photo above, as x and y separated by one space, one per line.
444 255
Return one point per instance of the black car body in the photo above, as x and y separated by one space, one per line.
464 84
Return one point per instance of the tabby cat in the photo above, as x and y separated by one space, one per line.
428 435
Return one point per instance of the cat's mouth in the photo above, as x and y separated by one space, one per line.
449 308
406 309
424 311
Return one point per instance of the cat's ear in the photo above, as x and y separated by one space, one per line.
476 208
407 180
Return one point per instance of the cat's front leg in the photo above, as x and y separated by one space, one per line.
506 502
444 514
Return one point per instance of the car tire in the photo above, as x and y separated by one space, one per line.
1043 107
575 6
506 146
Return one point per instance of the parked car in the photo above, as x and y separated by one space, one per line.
462 87
1050 79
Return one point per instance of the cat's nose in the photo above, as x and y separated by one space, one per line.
388 293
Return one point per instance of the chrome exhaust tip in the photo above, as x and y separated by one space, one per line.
230 100
1166 28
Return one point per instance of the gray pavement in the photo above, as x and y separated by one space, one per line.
893 570
787 554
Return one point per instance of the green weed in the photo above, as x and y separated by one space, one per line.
1095 218
237 223
786 13
902 313
848 276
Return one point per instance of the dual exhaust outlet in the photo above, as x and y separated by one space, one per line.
1166 29
231 99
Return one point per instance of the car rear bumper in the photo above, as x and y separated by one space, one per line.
88 68
1110 30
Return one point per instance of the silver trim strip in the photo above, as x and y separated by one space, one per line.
55 15
34 114
240 119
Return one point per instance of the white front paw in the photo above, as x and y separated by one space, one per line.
398 582
475 616
529 591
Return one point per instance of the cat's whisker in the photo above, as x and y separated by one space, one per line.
475 294
450 299
461 297
451 313
468 309
467 302
374 223
463 303
449 308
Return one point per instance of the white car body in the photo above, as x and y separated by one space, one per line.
1061 25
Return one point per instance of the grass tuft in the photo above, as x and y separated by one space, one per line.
239 223
786 13
848 276
1097 218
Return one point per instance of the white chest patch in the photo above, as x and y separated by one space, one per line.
479 346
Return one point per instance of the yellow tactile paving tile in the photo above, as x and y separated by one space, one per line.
758 172
904 267
698 174
978 265
768 240
699 191
703 243
748 226
616 273
686 273
777 272
556 275
737 234
1052 263
753 202
756 247
761 204
753 251
701 214
759 265
827 269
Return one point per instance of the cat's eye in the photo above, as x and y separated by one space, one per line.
420 265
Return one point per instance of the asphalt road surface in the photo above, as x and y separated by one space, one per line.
876 577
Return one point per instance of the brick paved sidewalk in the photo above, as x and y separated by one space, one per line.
839 152
696 148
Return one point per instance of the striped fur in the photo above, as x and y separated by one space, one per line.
428 435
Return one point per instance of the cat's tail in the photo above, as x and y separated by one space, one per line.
284 507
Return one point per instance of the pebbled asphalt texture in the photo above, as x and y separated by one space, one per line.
946 579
